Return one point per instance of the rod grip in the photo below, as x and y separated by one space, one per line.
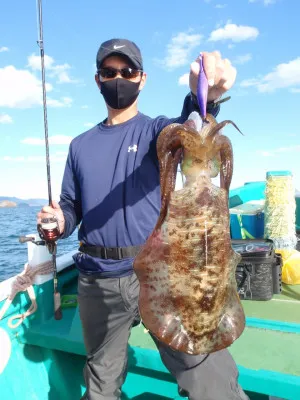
57 306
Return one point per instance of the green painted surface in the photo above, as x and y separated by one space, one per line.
259 381
284 307
153 388
262 352
255 349
36 373
268 350
156 389
140 338
64 335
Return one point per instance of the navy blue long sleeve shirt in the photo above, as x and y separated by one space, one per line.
111 187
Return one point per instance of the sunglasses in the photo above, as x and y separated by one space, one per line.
126 73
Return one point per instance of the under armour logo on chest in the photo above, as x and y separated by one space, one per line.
132 148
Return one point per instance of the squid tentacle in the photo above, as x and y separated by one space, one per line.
226 155
215 129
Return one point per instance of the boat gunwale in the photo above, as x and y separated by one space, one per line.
63 262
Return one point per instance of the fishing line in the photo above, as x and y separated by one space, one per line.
40 43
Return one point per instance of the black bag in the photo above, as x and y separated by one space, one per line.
258 275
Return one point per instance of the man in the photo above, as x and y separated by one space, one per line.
111 186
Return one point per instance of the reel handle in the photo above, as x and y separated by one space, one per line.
25 239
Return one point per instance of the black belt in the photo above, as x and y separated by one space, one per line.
114 253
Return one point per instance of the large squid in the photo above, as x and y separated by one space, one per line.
186 269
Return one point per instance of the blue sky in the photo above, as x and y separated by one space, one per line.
258 36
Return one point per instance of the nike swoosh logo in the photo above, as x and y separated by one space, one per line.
118 47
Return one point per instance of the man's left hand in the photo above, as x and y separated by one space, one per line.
220 74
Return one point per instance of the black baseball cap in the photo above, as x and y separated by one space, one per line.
122 47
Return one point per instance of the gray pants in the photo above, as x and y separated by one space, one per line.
108 310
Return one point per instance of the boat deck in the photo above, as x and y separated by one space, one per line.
267 353
283 308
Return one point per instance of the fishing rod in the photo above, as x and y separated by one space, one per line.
48 228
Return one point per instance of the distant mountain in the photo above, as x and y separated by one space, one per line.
23 205
22 202
7 204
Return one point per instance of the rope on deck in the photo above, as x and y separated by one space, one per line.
23 282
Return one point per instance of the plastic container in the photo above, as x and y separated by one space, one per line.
250 191
37 254
291 266
258 275
247 220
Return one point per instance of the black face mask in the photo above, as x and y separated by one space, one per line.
120 93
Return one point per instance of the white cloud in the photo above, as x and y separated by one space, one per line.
53 140
295 90
20 88
34 62
5 119
280 150
9 158
89 124
184 80
63 102
265 153
84 106
58 71
250 82
285 75
238 92
3 49
220 5
236 33
265 2
242 59
287 149
179 50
